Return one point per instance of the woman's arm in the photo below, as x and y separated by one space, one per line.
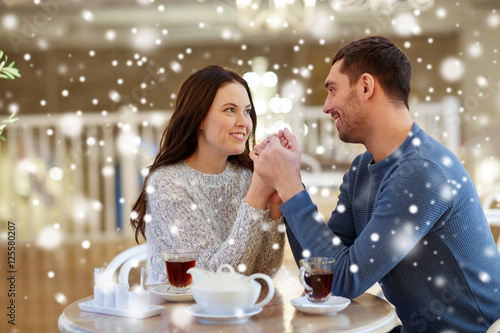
177 220
271 254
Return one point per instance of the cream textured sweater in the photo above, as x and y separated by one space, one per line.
190 209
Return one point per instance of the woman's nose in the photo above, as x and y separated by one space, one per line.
241 120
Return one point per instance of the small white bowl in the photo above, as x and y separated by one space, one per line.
332 305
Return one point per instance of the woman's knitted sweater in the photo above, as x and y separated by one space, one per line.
207 212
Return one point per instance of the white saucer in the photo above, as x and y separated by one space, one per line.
332 305
197 311
165 292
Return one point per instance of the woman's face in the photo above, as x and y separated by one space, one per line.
226 128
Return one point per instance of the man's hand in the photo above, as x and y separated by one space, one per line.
277 161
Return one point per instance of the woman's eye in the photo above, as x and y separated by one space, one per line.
248 111
230 109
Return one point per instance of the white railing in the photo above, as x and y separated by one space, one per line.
76 173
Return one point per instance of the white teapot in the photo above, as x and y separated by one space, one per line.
228 292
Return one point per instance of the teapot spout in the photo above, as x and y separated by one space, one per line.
198 274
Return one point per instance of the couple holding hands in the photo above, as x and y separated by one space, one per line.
408 215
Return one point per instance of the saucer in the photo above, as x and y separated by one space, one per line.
332 305
197 311
165 292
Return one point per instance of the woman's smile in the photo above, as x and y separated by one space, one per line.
240 136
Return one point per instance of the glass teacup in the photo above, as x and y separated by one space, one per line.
177 262
316 276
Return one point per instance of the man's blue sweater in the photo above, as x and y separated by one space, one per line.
414 223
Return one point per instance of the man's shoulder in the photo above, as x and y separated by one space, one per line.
430 151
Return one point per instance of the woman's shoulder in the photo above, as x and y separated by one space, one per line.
167 174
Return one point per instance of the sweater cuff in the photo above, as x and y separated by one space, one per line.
278 221
255 213
295 204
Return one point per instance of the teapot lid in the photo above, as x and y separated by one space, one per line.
224 281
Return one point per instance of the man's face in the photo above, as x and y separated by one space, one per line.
344 106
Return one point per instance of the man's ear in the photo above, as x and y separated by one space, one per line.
367 82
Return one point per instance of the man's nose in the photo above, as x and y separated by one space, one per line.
327 107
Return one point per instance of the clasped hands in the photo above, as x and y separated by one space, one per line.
277 162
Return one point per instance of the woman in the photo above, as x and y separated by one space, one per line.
201 191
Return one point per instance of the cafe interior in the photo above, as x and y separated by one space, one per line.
99 80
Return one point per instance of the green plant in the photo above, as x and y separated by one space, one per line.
7 72
10 120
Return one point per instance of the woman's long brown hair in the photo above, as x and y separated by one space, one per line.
180 138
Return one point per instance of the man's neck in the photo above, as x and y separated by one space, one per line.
389 137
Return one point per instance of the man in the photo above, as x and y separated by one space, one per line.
408 215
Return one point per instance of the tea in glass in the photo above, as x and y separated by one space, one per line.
177 262
316 276
176 271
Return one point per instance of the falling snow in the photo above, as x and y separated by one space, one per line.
484 277
467 72
341 208
318 217
336 241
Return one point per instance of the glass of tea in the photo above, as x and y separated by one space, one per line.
316 276
177 262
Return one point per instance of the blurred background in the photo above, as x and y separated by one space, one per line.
100 77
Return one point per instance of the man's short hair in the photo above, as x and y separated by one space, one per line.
380 57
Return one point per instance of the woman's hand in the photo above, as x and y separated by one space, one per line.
259 193
267 198
274 204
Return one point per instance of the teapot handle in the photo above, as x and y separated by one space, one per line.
229 267
270 291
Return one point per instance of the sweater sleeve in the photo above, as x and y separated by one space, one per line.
340 220
409 202
271 254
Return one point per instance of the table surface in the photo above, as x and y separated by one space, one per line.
367 313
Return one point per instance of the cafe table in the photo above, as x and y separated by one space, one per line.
366 313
